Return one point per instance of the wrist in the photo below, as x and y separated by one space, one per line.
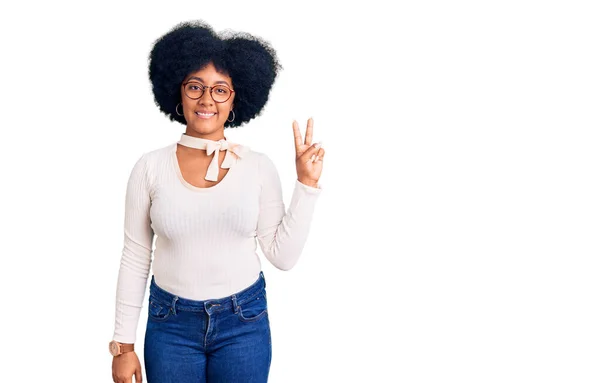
117 348
312 184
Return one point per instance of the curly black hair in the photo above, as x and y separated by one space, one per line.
250 61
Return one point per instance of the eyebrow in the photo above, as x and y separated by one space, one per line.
216 82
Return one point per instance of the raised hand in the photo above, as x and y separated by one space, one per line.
309 157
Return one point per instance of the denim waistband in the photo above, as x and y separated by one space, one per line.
214 305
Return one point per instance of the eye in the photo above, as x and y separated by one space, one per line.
194 86
222 90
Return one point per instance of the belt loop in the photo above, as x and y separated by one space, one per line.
262 275
173 305
235 305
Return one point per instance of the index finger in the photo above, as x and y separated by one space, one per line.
309 132
297 135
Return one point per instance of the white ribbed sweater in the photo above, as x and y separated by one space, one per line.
205 237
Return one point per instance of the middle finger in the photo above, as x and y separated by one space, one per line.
309 132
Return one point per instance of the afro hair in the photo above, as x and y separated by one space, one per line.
250 61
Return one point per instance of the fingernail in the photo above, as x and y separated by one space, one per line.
313 158
318 145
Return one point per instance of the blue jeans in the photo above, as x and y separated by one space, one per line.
216 340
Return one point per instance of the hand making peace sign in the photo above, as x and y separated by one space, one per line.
309 157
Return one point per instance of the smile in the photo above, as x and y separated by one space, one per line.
205 115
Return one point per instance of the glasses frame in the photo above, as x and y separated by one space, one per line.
204 87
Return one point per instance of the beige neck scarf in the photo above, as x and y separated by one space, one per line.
234 153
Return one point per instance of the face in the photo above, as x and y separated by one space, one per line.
205 117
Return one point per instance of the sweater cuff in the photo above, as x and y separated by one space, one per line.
310 189
304 199
121 338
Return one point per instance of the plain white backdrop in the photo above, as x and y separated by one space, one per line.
456 239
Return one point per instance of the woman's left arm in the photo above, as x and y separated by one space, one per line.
282 235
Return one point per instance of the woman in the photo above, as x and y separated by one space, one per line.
208 200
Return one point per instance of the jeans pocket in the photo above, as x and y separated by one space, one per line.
158 311
253 309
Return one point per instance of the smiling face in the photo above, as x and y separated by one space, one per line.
206 118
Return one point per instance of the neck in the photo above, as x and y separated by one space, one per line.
214 136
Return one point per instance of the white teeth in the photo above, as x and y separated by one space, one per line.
205 114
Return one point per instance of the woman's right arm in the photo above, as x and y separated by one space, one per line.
135 264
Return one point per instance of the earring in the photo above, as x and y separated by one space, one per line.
233 116
176 111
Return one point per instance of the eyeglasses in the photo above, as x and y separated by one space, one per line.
195 90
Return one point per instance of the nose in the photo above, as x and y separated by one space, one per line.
206 98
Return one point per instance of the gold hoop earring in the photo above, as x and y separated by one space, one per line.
233 116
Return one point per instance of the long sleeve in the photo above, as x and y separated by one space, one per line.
136 257
282 235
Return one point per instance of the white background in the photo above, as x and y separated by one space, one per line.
456 239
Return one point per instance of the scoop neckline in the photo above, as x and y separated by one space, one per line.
188 185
